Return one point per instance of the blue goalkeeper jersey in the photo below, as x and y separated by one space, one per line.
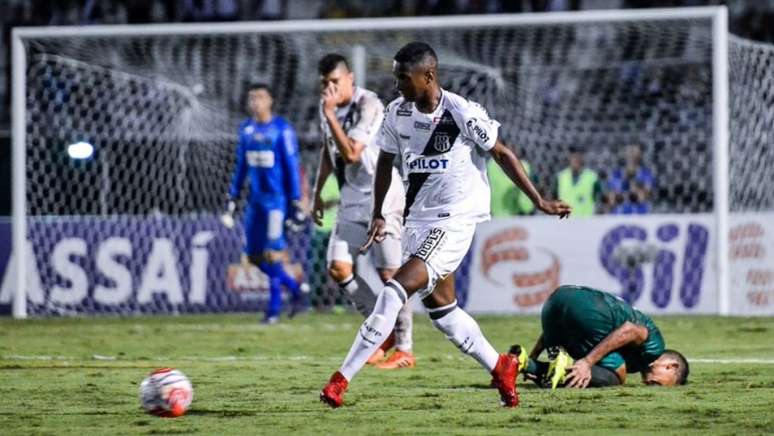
268 153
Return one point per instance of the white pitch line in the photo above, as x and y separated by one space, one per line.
103 358
734 361
293 358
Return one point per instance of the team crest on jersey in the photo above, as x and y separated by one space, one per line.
441 142
249 130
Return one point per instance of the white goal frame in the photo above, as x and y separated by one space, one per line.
718 15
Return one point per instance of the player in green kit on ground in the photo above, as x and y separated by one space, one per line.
601 338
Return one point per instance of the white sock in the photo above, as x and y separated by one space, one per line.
359 294
464 332
403 329
375 328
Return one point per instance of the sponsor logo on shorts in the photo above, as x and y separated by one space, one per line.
434 239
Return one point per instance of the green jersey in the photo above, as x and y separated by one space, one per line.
578 318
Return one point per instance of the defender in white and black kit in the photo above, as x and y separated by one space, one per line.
441 142
350 118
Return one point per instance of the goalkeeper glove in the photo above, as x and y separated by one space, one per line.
228 216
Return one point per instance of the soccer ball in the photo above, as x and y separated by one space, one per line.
166 392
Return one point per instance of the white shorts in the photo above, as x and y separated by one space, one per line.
347 237
441 248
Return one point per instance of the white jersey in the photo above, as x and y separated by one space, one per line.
442 158
361 119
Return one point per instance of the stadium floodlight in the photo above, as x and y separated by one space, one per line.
80 150
161 103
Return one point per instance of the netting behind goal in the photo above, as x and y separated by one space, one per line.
751 175
134 230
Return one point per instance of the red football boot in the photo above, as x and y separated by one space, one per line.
504 379
333 393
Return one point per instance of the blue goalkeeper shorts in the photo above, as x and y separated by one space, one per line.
264 229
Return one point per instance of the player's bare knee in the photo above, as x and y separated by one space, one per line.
444 293
412 275
340 271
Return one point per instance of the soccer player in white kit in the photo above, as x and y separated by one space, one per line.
441 141
350 118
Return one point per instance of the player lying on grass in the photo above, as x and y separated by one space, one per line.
601 338
440 141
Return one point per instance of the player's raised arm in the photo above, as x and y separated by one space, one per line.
628 334
349 146
512 166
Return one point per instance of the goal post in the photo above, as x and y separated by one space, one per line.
720 127
185 135
18 183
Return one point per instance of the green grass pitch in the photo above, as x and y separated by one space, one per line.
80 377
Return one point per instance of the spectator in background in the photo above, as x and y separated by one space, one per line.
210 10
629 189
507 199
578 186
269 9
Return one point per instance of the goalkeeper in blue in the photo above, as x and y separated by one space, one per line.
267 152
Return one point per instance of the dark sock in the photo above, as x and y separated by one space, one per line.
536 371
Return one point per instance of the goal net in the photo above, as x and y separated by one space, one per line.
134 229
751 173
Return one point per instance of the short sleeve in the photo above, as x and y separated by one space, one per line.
479 127
612 361
654 345
371 116
387 139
